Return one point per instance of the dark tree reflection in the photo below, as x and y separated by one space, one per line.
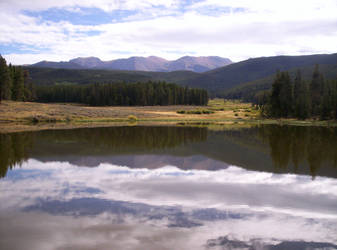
301 146
16 148
271 148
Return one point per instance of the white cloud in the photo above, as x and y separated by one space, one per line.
264 28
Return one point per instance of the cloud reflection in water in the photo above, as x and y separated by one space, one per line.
176 207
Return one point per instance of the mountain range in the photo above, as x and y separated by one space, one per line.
151 63
241 80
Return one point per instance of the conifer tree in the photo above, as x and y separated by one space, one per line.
275 95
18 84
316 90
29 88
286 95
5 80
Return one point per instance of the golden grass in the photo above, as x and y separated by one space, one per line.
11 111
21 116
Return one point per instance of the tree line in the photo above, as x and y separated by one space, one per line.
15 83
123 94
298 98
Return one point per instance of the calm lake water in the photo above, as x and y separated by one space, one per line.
264 187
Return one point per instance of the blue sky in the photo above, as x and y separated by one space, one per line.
37 30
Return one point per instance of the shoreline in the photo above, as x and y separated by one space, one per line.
29 116
13 127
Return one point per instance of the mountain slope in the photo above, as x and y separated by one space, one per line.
87 62
51 76
57 65
151 63
225 78
248 90
198 64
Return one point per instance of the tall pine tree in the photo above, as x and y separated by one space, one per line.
18 84
5 80
316 87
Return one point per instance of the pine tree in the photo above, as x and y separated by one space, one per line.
29 88
297 93
18 84
301 97
316 91
286 95
276 109
304 101
325 108
5 80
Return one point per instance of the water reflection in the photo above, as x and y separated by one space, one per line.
315 146
13 150
279 149
166 208
169 188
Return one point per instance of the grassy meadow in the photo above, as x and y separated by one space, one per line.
22 116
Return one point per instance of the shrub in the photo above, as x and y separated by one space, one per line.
132 118
195 112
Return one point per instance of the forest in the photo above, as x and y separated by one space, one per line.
296 98
123 94
17 85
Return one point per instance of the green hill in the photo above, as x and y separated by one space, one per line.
222 79
50 76
247 91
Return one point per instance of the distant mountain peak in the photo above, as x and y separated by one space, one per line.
87 62
150 63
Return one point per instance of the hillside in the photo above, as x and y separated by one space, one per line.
225 78
49 76
151 63
247 91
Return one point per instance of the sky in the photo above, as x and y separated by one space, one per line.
36 30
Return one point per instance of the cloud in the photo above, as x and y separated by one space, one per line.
235 29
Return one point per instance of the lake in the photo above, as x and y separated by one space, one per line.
169 187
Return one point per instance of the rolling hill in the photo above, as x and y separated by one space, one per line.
50 76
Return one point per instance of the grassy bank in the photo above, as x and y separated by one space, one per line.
25 112
17 116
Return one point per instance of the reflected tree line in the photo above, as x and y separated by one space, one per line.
17 147
291 148
14 150
120 138
301 146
